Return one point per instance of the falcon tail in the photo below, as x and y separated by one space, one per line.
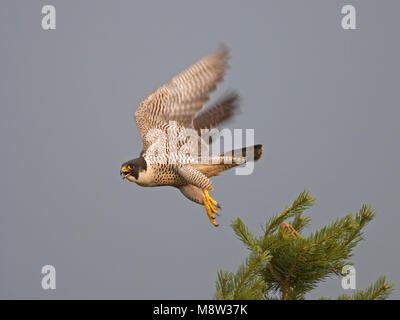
234 158
249 153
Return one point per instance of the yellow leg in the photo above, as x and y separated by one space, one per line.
291 229
211 207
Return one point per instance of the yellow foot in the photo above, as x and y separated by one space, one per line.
291 229
211 207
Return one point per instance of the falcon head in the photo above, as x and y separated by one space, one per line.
131 169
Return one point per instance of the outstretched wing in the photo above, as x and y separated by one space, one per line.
183 97
219 112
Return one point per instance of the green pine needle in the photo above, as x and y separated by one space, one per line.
284 264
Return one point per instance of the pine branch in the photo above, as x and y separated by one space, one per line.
380 290
282 263
275 275
303 201
247 271
287 281
224 285
244 235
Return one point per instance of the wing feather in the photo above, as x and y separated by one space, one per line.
218 113
183 96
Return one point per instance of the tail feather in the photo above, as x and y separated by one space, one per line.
228 160
249 153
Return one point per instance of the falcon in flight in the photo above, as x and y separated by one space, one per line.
174 109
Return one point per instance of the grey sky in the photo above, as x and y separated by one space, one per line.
322 100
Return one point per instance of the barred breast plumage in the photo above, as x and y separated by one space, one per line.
174 108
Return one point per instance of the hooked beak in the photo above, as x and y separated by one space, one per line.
125 172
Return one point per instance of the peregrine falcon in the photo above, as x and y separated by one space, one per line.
175 108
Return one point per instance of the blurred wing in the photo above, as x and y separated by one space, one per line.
220 112
184 96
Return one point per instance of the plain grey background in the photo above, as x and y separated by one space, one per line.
324 102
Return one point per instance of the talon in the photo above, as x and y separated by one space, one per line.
210 215
215 203
214 210
209 204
